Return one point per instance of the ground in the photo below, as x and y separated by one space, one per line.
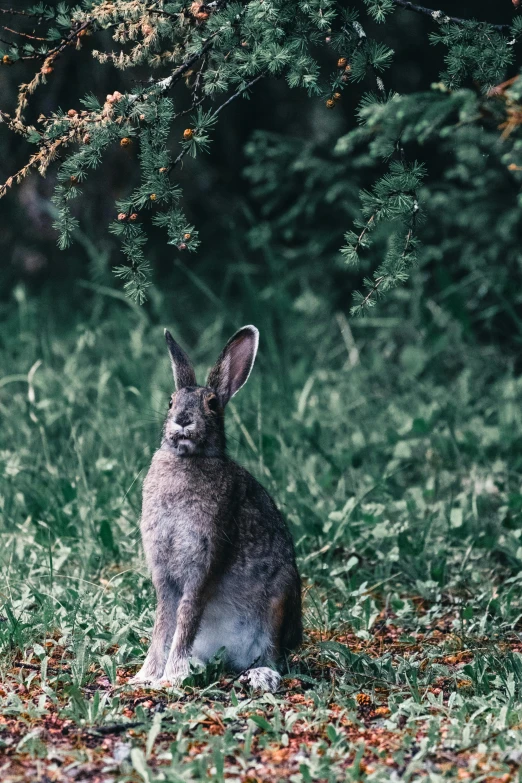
396 459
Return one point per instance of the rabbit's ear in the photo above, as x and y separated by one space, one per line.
184 374
233 367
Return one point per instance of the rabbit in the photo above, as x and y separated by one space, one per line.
220 553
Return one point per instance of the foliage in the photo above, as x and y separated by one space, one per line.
399 470
394 197
469 197
215 53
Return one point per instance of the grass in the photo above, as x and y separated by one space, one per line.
395 455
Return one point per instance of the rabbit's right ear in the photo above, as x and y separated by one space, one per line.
182 369
235 363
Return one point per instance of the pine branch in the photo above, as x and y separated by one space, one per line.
21 34
10 43
136 273
17 12
441 16
15 125
161 12
42 159
373 290
215 114
67 40
363 42
238 93
48 150
383 278
176 75
360 239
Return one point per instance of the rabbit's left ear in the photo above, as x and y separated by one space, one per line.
182 369
235 363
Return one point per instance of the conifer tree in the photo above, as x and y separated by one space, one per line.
202 56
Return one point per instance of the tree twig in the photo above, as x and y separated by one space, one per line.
175 76
441 16
16 12
238 93
215 114
22 34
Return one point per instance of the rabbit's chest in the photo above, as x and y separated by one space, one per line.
182 517
177 535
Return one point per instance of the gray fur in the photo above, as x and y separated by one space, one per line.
220 553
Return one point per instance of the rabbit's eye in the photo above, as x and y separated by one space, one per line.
170 403
212 403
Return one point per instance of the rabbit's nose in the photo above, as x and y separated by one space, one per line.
183 420
184 430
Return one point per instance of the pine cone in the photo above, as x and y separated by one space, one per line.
199 11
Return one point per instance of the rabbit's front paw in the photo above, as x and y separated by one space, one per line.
139 679
176 670
148 674
262 678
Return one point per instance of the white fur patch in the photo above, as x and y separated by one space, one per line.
224 624
262 678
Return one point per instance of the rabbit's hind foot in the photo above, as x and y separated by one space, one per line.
262 678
